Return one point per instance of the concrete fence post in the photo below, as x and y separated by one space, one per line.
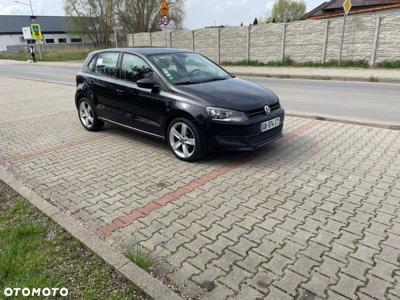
283 41
131 42
193 40
218 45
151 42
325 46
170 39
248 43
376 41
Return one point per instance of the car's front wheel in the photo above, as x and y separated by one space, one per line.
87 116
184 139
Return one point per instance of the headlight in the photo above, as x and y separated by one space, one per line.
226 115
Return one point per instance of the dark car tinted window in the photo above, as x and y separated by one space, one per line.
134 68
188 68
92 64
107 64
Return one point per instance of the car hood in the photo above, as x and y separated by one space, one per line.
232 93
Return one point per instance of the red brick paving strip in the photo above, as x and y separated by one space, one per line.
124 221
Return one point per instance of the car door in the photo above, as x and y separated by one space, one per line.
144 108
104 84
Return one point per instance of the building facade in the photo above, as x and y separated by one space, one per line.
55 31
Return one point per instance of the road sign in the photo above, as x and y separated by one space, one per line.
165 9
37 32
165 20
26 31
347 6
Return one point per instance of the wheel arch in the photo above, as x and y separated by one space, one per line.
81 94
178 113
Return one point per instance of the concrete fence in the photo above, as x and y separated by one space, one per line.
370 38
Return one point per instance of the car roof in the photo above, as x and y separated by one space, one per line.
146 51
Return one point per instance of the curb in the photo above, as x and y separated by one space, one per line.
360 122
318 77
141 279
41 80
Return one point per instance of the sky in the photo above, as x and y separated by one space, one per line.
199 13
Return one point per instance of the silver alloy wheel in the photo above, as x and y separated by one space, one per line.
182 140
86 114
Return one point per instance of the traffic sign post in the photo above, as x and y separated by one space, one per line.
38 37
165 19
346 9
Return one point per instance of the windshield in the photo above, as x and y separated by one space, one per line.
188 68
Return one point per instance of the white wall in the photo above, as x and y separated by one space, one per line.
17 39
9 40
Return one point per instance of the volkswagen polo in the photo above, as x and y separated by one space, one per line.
178 96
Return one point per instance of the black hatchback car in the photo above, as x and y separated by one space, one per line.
178 96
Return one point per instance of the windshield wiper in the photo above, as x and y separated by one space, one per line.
214 79
185 82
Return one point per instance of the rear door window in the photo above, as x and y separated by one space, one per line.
107 64
134 68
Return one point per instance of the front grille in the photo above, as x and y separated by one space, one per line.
265 136
261 111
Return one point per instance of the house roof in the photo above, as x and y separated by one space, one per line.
49 24
335 7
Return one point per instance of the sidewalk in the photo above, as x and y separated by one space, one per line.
359 74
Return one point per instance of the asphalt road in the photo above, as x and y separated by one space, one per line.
373 102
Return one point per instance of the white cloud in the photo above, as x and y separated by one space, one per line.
12 9
40 7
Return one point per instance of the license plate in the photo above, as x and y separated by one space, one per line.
268 125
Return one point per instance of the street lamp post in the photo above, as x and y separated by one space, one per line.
27 4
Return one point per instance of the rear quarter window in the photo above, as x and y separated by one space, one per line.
107 64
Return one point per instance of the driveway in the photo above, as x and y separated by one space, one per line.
312 216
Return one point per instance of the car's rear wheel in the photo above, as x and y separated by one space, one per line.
87 116
184 139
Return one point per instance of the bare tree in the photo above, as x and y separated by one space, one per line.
144 15
94 18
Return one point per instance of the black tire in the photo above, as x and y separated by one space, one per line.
198 148
96 124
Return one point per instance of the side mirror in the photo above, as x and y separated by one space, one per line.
146 83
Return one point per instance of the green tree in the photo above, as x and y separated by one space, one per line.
255 21
287 11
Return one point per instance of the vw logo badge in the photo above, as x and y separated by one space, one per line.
267 109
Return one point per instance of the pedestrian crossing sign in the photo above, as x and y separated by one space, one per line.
37 32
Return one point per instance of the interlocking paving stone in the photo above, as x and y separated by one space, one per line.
314 215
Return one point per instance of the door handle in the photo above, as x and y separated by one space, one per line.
120 92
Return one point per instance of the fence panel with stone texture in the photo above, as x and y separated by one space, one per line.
367 37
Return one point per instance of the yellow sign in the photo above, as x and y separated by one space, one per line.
36 32
347 6
164 9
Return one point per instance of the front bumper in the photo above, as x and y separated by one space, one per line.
247 136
